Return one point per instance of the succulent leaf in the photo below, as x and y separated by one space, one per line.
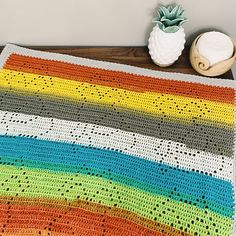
171 29
170 18
173 12
182 22
180 11
169 22
169 7
164 11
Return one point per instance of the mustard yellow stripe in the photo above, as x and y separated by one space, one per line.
179 107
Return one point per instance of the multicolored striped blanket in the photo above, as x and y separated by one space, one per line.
97 148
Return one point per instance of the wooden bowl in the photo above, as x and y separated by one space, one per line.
202 65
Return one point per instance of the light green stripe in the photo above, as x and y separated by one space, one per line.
35 183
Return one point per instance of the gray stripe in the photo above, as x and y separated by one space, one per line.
197 136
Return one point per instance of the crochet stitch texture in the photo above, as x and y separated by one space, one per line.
97 148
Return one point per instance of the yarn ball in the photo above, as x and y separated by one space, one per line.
215 46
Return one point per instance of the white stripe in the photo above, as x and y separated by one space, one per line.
173 153
10 48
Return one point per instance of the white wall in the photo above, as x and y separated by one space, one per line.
102 22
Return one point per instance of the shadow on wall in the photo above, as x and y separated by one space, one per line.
234 71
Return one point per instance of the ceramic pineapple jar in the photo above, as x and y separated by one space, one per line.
167 39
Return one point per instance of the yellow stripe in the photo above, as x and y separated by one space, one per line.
185 108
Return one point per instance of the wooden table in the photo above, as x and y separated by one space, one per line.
136 56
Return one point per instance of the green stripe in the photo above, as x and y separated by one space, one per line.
29 183
124 180
55 167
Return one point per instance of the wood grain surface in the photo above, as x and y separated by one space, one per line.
135 56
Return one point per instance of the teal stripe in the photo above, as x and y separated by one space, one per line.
228 212
150 176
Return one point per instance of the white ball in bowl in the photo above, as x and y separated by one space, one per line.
215 46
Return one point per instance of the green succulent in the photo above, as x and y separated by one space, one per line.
170 18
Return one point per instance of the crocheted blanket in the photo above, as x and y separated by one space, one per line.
97 148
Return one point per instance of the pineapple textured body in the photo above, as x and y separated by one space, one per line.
165 48
167 39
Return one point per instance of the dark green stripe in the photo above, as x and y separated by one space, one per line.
197 136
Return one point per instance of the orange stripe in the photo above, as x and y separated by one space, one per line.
33 232
117 79
75 217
